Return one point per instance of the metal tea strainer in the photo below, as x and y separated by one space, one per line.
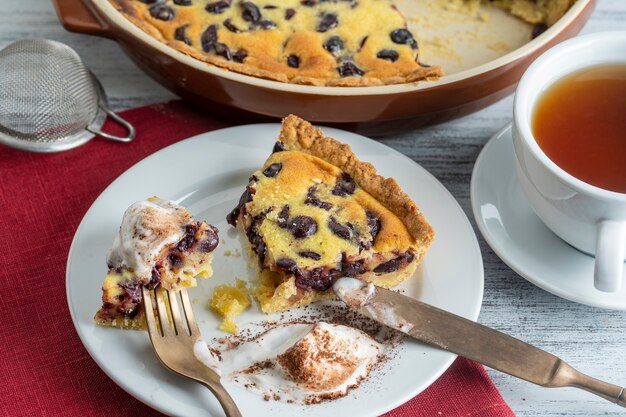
49 101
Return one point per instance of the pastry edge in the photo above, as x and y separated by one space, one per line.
298 134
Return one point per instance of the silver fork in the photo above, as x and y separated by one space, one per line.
174 343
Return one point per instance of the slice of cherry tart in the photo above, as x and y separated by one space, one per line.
158 243
314 213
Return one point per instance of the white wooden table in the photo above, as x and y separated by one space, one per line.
593 340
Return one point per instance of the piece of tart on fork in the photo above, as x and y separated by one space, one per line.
314 213
158 243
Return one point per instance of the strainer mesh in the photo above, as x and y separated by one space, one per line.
46 93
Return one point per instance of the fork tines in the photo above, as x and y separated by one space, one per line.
166 319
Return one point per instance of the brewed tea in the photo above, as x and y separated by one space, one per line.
580 124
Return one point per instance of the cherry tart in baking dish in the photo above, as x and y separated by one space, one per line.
316 42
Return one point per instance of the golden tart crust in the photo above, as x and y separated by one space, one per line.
314 213
313 42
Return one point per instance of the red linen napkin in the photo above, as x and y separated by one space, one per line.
45 369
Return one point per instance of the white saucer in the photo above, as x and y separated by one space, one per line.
521 240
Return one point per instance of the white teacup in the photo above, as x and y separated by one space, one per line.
587 217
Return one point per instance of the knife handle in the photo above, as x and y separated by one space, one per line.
567 376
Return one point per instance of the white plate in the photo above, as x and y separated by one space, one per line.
207 174
520 238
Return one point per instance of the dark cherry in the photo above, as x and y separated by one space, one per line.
210 44
289 13
278 147
538 29
270 7
351 268
132 289
354 269
217 7
273 170
293 61
246 197
155 278
327 21
312 200
310 254
309 3
188 239
317 279
180 34
162 12
222 50
288 265
403 36
334 45
260 250
210 240
209 38
230 26
345 186
266 24
258 246
175 261
389 266
302 226
388 54
251 12
339 229
373 222
283 216
240 55
395 263
183 2
349 69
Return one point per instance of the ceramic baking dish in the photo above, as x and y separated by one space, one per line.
487 70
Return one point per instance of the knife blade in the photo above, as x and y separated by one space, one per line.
456 334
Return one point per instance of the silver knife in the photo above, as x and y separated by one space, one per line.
456 334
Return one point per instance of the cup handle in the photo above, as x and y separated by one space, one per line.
610 249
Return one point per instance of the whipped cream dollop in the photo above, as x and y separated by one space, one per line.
302 362
147 228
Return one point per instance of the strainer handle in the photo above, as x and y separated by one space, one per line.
129 128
